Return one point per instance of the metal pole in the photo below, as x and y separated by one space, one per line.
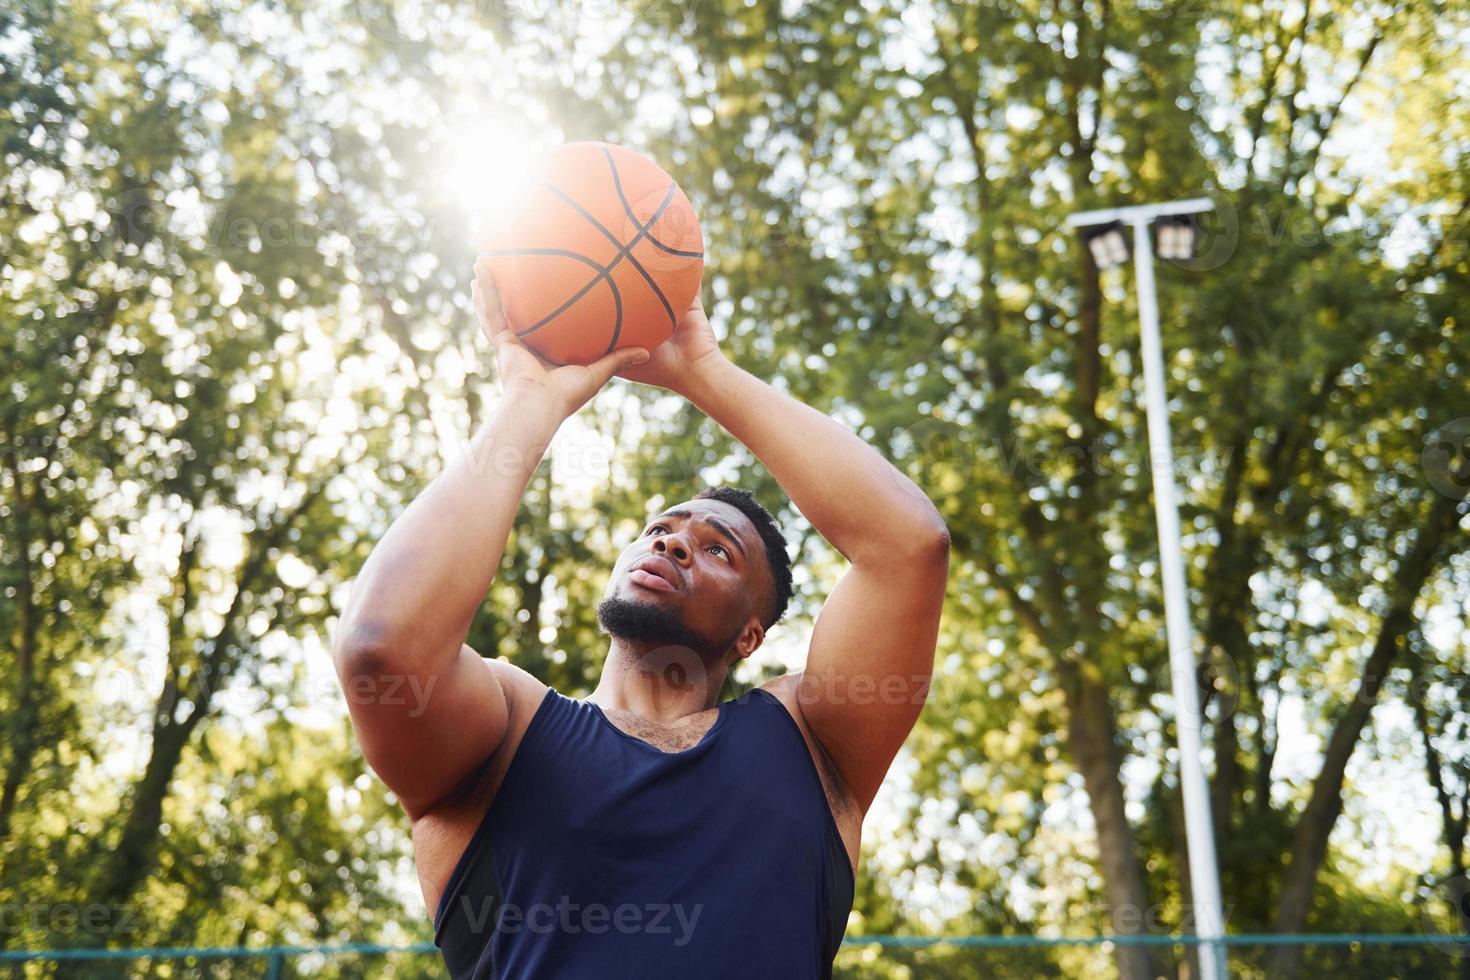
1204 872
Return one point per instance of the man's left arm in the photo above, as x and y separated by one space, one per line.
872 650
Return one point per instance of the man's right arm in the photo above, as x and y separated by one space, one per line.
427 708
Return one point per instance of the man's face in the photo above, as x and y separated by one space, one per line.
695 577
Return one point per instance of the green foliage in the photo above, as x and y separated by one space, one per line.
236 343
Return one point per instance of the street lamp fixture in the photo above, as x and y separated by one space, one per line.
1107 244
1176 235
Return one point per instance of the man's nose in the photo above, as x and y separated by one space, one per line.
672 546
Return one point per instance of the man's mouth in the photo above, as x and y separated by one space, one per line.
654 573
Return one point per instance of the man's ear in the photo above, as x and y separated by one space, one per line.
750 639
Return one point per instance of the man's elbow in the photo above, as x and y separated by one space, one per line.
921 542
362 651
922 550
932 541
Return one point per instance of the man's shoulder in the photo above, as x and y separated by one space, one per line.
522 689
786 688
523 695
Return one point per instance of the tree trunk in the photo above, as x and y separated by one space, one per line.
130 860
1455 823
1093 742
1309 846
21 730
1460 898
1187 967
1092 734
1314 827
20 733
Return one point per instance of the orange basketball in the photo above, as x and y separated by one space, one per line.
603 252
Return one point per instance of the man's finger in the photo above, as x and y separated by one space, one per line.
487 301
506 341
605 367
482 308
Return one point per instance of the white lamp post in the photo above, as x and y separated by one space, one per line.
1103 232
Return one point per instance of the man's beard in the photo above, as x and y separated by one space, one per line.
641 622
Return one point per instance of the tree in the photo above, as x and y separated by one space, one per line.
235 332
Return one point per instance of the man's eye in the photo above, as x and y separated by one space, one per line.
656 527
723 550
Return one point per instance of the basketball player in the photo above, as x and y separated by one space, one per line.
646 831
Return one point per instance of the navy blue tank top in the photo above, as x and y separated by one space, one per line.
603 857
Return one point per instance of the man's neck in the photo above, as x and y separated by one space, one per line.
660 684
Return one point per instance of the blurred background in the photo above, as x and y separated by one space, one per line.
235 252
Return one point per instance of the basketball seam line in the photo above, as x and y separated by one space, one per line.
628 209
644 232
623 252
626 251
602 273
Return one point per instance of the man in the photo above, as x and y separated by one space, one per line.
647 831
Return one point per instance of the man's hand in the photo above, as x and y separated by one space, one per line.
525 374
675 362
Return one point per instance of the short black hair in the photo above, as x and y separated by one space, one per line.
780 563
